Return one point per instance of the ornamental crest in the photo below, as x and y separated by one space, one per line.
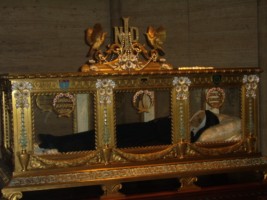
126 53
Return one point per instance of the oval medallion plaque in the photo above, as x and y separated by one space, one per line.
143 100
63 104
215 97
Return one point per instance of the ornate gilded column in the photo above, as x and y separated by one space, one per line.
21 93
180 101
250 86
105 118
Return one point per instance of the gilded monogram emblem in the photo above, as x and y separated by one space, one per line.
126 52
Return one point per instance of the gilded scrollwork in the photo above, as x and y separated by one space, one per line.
46 163
167 152
226 149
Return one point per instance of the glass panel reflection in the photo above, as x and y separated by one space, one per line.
215 114
143 118
56 132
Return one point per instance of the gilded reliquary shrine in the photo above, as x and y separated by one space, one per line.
128 115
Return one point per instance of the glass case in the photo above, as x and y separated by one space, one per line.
126 119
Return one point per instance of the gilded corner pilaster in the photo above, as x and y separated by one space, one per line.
251 87
105 98
21 109
180 95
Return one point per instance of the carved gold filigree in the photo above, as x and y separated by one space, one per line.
124 54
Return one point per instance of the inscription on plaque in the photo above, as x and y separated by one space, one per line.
215 97
63 104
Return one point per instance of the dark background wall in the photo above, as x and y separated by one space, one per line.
48 35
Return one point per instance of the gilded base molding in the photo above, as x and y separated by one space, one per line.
188 171
138 172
